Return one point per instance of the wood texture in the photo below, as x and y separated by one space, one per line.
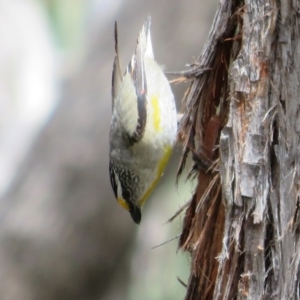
242 227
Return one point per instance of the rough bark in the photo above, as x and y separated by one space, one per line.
62 233
241 125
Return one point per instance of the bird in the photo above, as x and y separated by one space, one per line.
143 126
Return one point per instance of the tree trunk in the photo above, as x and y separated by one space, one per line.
241 125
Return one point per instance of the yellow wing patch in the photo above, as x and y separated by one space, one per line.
156 114
161 166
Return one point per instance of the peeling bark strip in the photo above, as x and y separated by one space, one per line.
206 110
242 226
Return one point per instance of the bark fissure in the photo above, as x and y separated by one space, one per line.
244 239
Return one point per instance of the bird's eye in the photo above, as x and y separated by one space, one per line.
126 194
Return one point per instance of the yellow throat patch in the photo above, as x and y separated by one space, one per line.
156 119
161 166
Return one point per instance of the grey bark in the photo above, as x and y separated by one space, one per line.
257 256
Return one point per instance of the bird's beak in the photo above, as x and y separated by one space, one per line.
135 213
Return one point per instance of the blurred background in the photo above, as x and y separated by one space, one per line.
62 234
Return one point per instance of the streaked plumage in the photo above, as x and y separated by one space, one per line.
143 125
